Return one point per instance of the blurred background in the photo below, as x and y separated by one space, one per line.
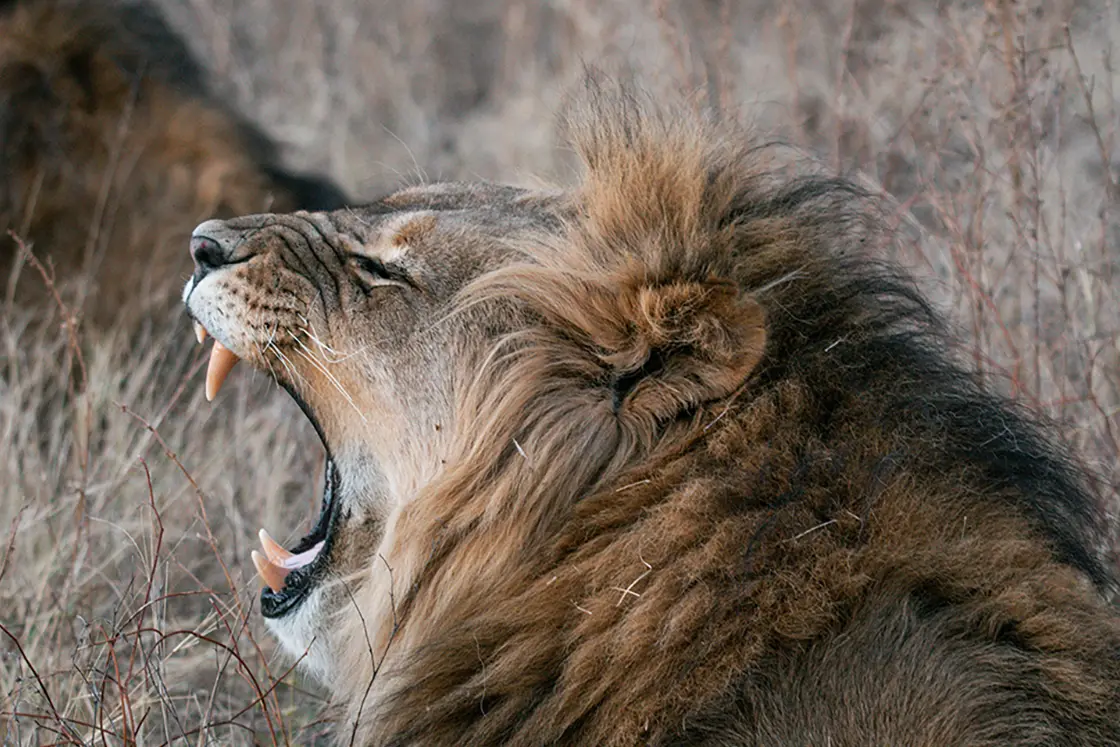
128 506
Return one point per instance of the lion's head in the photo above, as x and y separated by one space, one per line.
568 432
355 313
410 332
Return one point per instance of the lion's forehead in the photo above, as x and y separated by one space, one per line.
487 206
461 196
440 223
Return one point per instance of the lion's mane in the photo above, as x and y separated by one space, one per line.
725 479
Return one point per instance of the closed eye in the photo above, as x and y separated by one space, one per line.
371 272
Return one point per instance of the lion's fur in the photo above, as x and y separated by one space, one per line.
712 476
112 149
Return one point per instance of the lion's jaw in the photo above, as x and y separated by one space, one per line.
305 631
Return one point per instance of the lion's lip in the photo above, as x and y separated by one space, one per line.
288 575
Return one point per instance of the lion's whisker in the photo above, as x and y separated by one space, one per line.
318 365
262 352
325 348
287 364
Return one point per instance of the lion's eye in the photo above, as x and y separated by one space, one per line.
371 272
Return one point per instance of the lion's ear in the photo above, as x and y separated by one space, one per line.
673 347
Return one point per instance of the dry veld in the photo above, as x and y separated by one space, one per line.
129 506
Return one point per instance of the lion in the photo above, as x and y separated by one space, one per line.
665 458
112 148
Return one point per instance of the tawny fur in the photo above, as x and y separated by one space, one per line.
112 149
670 459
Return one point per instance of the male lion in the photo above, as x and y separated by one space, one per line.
112 148
663 459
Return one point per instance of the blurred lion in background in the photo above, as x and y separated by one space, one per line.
668 458
111 149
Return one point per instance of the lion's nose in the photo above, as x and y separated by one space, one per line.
212 246
207 253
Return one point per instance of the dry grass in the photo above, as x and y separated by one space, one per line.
128 506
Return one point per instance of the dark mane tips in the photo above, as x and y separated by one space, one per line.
676 197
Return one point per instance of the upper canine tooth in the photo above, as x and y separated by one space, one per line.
199 331
222 361
271 574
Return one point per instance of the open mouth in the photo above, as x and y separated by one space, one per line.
288 574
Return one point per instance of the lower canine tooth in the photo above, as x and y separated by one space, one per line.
272 575
272 548
222 361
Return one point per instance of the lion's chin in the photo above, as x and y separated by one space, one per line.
299 632
289 575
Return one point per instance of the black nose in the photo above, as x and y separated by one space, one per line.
213 245
208 253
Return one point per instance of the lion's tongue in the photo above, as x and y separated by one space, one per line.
276 562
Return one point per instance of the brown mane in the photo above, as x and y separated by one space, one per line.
717 442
